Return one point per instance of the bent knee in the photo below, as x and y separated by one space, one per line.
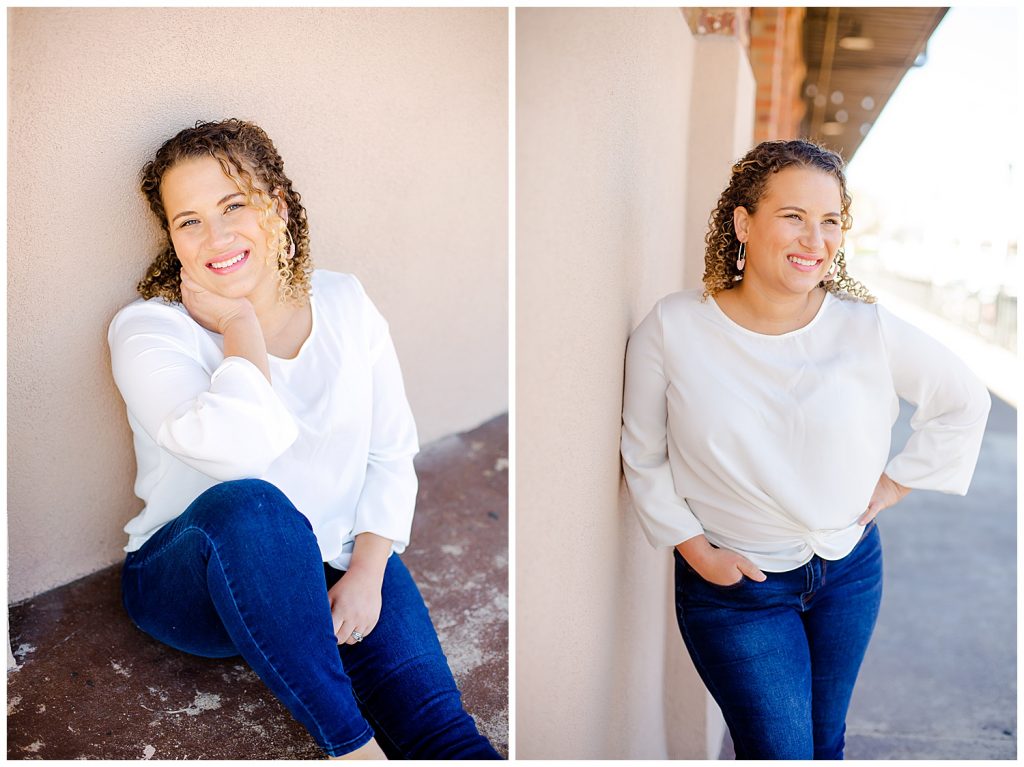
255 492
249 505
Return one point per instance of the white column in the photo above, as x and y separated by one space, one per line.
721 131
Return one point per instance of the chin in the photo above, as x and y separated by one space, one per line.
239 289
803 287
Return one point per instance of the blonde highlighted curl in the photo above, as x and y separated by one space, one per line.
248 157
747 186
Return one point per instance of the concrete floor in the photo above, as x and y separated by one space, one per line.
91 686
939 679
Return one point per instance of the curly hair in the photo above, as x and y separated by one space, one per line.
747 186
248 157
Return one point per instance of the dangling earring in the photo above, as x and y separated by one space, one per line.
831 273
741 261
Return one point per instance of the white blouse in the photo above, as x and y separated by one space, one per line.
334 432
771 445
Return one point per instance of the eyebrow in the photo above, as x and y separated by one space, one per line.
801 210
220 202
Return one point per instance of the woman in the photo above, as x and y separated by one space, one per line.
274 446
756 431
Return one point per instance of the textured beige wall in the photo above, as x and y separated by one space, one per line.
608 105
393 126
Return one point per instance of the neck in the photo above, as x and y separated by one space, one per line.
775 310
273 315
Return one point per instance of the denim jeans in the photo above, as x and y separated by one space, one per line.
240 573
781 657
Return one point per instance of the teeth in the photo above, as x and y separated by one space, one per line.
229 262
802 261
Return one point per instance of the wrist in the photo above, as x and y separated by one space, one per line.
365 572
695 550
370 556
901 489
239 320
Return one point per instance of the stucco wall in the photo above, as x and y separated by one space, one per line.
393 126
614 109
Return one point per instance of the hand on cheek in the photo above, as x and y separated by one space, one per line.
212 310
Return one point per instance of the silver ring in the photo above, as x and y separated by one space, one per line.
357 636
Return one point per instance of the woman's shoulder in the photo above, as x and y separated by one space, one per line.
670 310
341 297
682 303
337 288
153 311
154 322
325 279
683 300
852 309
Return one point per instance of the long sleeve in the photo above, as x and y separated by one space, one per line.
226 422
665 517
952 409
388 497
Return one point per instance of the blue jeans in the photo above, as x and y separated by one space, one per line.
781 657
240 573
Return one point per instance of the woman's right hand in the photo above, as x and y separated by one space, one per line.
233 318
212 310
721 567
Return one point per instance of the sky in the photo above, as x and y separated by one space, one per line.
936 166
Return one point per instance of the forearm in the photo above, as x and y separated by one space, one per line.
903 489
694 550
243 338
370 556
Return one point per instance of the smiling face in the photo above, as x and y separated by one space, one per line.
216 235
792 238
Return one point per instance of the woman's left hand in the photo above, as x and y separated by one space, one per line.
355 605
887 493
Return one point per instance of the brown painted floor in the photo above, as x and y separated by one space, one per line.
91 686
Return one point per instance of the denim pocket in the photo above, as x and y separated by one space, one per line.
700 578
